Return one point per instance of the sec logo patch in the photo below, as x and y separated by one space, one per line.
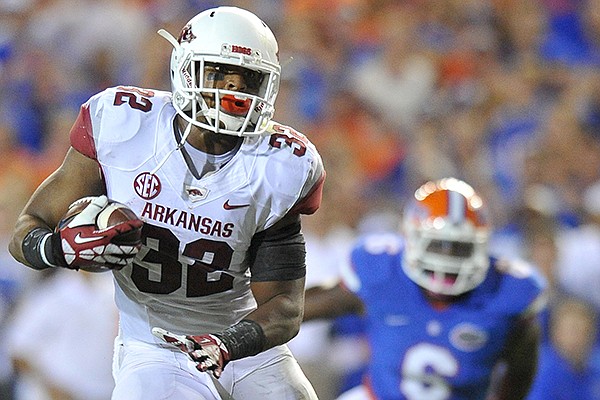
147 185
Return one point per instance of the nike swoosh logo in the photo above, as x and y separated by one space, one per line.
396 320
228 206
81 240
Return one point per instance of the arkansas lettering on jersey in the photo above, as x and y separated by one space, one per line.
192 272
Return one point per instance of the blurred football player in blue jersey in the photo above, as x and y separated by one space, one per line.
567 367
444 319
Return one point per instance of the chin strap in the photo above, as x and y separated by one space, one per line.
231 123
184 137
169 37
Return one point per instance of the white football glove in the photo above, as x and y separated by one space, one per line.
81 244
207 351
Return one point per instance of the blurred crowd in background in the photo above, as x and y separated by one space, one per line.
504 94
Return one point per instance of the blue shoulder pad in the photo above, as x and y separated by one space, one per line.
521 287
375 258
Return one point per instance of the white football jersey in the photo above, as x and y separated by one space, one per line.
192 275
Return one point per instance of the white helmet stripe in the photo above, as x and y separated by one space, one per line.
456 207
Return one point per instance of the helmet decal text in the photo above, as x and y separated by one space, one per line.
241 49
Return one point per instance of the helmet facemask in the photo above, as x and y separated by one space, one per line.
238 113
446 262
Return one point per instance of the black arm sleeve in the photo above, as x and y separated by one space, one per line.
278 253
244 339
42 249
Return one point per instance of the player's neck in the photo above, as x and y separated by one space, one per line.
439 301
208 141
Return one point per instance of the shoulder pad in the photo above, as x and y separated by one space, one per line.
522 288
376 257
289 165
128 115
125 106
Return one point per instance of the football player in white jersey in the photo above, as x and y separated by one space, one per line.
215 288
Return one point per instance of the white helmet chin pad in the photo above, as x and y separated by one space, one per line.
226 36
230 122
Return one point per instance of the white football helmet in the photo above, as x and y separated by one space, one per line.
222 38
447 234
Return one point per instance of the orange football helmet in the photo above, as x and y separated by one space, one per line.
447 234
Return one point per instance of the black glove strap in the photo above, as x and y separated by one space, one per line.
40 249
244 339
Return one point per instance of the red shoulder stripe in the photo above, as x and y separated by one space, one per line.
312 201
81 135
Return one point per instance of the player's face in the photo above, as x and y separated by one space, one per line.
230 77
451 248
447 248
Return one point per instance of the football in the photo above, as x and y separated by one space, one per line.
113 214
75 208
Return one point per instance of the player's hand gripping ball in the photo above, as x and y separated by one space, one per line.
207 351
97 234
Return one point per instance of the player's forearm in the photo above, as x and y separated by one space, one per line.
323 302
518 377
77 177
514 386
25 224
279 318
521 362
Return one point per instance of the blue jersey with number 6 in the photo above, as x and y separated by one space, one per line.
420 352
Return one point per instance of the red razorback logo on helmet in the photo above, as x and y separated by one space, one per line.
186 34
